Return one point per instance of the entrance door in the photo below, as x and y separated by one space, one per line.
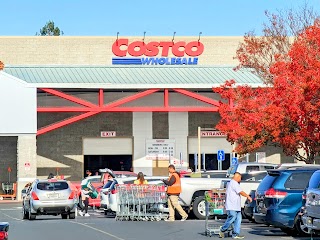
113 162
211 162
112 153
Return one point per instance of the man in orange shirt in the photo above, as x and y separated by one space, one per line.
173 192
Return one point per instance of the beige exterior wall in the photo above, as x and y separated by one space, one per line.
98 50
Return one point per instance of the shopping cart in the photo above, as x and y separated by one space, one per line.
214 200
140 202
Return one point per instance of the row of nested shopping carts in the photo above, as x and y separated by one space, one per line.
141 202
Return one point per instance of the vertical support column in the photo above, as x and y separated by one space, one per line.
26 161
179 130
142 130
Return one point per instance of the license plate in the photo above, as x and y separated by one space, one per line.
53 195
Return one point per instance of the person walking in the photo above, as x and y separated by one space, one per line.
233 207
173 192
140 179
85 199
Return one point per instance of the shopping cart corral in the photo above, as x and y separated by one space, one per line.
215 200
141 202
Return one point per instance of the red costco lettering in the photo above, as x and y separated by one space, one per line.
122 47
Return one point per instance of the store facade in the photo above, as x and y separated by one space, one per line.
123 103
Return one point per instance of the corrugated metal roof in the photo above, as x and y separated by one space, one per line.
149 75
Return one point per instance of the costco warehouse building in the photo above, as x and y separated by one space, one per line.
75 103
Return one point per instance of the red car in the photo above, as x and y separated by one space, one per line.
98 182
4 228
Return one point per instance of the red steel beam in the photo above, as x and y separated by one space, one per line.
101 97
166 98
67 109
68 97
198 97
163 109
126 109
65 122
130 98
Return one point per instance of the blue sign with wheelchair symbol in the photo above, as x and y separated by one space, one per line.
221 155
234 161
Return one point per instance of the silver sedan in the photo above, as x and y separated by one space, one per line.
49 197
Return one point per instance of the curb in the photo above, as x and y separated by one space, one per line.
10 201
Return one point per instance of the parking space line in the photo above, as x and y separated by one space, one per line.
98 230
12 217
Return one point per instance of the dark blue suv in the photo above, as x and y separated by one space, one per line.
279 198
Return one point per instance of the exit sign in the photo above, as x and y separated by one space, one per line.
108 134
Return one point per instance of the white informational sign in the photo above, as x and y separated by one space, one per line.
213 134
261 157
108 134
160 149
27 166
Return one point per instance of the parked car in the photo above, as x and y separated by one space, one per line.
98 182
4 228
208 174
246 167
108 194
49 197
311 210
279 198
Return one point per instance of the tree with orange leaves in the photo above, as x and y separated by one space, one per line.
286 113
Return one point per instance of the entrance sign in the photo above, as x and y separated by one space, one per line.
141 53
213 134
108 134
221 155
161 149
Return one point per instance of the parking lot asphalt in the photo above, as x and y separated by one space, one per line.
98 226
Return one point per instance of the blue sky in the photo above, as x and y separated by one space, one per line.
133 17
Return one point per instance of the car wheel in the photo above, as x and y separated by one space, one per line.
106 212
300 228
31 216
199 208
25 215
72 215
64 215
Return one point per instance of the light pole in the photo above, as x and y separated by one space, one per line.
199 150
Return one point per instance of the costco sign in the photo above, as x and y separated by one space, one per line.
141 53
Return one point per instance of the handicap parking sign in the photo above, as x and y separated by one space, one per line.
234 161
221 155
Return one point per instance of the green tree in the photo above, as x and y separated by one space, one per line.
50 30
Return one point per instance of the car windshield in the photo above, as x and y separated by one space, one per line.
52 186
